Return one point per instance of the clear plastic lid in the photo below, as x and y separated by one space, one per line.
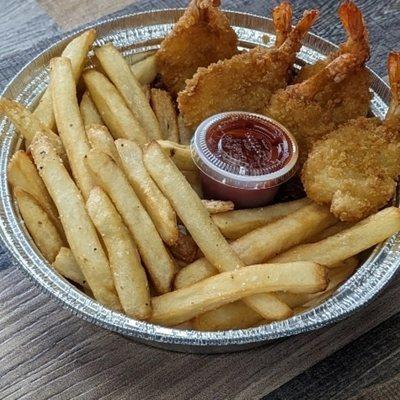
245 150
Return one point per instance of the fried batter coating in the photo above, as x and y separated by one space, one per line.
201 36
353 91
354 168
245 82
305 112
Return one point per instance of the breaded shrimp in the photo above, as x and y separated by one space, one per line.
354 168
355 88
282 18
201 36
244 82
302 110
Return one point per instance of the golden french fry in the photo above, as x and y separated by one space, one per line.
155 203
39 225
151 248
28 125
185 249
185 134
197 220
332 230
129 276
112 108
194 180
184 304
66 265
89 112
218 206
100 139
147 92
336 276
234 315
351 241
79 229
22 173
234 224
179 154
136 57
165 111
265 242
129 87
145 71
69 121
76 51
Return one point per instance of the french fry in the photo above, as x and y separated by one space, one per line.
69 121
28 125
151 248
197 221
265 242
194 180
147 92
112 108
182 305
79 229
76 51
234 224
336 276
164 109
185 134
129 87
234 315
351 241
129 276
22 173
145 71
179 154
66 265
155 203
185 249
140 56
100 139
218 206
89 112
332 230
39 225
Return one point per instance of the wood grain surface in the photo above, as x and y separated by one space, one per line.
46 352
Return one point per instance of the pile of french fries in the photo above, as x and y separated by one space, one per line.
109 193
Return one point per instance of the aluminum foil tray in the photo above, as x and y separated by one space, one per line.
142 32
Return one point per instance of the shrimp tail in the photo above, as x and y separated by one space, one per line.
335 71
393 114
354 24
202 7
292 43
282 18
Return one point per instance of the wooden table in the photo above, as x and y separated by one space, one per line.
45 352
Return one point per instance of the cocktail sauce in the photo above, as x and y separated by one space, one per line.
243 157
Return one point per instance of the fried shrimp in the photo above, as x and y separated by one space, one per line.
302 109
354 168
353 91
282 18
244 82
201 36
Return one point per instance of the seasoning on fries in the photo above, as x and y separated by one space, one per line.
79 229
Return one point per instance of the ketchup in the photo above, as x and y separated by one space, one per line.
243 157
258 147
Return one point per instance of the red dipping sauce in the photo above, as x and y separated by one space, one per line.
243 157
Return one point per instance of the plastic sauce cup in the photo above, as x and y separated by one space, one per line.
243 157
